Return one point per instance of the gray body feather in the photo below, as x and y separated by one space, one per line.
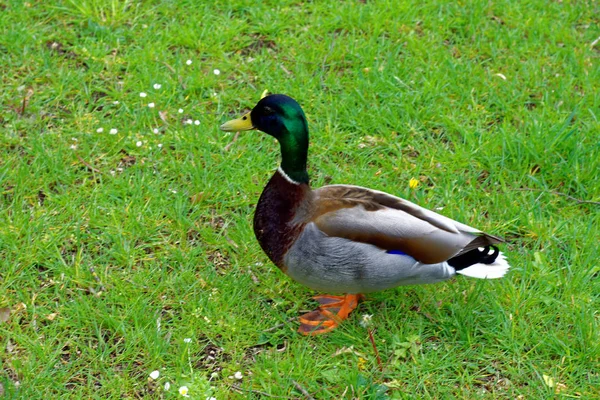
334 264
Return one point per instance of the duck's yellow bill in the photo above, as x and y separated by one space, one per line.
244 123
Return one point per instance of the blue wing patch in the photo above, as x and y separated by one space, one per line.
400 253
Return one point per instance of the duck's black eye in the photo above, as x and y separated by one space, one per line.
268 110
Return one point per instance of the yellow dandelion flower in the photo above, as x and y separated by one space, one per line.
362 363
413 183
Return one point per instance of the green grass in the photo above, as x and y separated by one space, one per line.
112 254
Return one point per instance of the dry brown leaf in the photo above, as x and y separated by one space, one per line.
345 350
197 198
4 314
548 380
163 115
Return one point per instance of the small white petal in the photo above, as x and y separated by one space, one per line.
73 147
216 72
184 391
180 111
366 320
143 94
160 145
167 385
100 130
157 86
196 122
155 130
151 105
189 62
154 374
187 340
116 102
138 143
113 131
189 121
238 375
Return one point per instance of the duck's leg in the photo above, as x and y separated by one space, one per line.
332 311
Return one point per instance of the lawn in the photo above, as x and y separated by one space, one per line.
126 242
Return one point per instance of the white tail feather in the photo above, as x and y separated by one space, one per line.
495 270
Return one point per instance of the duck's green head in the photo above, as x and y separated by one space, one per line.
281 117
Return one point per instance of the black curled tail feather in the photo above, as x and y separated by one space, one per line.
483 255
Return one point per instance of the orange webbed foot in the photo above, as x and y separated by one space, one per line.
331 312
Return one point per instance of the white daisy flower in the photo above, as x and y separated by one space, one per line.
151 105
216 72
143 94
180 111
157 86
155 374
138 143
113 131
184 391
189 62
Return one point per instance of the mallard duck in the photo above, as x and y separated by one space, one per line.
349 239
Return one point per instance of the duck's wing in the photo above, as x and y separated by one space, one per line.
391 223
